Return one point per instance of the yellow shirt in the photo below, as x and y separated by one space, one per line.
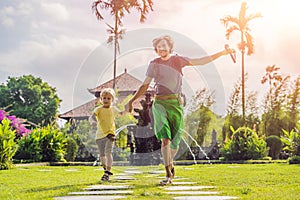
105 121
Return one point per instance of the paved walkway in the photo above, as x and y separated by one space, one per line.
180 189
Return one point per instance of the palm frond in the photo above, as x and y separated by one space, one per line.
242 15
110 27
95 9
253 16
227 20
147 6
110 39
121 33
230 30
249 43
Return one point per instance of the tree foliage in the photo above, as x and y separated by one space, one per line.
118 9
275 117
200 119
30 98
293 105
241 24
234 116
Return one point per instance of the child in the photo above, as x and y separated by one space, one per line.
105 135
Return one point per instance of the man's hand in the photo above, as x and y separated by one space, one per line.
231 52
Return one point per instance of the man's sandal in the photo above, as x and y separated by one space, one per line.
173 172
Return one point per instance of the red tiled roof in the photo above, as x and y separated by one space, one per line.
80 112
125 84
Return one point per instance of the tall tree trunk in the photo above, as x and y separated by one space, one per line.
115 48
243 78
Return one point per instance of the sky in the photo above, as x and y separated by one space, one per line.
63 43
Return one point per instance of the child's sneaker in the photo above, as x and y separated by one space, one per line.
106 175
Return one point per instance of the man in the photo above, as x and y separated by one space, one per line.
166 70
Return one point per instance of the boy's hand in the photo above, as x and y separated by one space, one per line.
111 137
93 124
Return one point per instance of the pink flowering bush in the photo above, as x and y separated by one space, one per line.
17 124
11 129
8 146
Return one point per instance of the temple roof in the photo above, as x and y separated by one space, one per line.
126 84
123 82
81 112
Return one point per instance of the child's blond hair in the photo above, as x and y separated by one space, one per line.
108 91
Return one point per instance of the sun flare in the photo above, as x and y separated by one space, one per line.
283 13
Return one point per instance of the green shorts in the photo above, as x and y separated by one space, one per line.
168 120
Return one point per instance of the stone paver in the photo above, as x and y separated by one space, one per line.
107 187
133 172
45 170
192 192
71 170
124 178
102 192
117 191
204 198
178 188
157 172
90 197
183 183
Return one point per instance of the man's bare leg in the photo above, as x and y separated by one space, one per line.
173 154
166 153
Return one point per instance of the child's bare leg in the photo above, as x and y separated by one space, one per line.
103 161
109 162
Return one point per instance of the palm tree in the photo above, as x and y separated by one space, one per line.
118 8
240 24
270 76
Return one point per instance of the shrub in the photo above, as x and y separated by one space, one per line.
8 146
291 141
244 145
84 134
275 145
45 144
52 144
29 147
71 149
294 160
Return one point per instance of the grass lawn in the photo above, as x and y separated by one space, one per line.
246 181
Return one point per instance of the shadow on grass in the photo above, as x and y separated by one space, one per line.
61 187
